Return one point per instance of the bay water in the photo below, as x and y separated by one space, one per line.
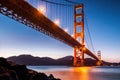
80 73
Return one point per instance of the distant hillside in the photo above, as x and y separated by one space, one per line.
31 60
68 61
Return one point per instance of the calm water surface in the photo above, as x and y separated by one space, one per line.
80 73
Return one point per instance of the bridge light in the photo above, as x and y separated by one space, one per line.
84 48
66 30
41 9
57 22
78 55
72 35
77 50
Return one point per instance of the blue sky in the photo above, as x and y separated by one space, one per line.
103 18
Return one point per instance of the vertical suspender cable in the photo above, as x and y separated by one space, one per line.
60 14
87 43
46 9
67 19
89 34
51 9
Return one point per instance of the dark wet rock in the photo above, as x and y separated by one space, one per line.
39 76
42 76
6 74
51 77
21 71
8 71
4 63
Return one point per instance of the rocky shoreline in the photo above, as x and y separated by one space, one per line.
12 71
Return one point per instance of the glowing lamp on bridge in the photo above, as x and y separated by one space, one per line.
72 35
66 30
41 9
57 22
77 50
84 48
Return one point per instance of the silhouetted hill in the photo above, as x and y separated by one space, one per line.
111 64
90 62
68 61
31 60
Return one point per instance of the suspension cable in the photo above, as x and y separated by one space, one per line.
87 43
75 3
46 9
57 3
89 34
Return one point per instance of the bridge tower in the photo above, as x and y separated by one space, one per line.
99 57
79 35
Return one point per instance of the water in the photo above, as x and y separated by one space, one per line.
80 73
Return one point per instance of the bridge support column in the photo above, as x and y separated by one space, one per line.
78 57
99 63
79 35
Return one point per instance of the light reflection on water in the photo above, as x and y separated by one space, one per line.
80 73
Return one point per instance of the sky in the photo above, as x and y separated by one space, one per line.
102 17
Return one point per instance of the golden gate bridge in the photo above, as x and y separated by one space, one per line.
23 12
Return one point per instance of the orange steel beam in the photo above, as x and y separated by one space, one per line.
24 13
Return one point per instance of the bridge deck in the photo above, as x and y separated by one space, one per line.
23 12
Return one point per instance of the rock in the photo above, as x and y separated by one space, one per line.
6 74
51 77
21 71
39 76
4 63
8 71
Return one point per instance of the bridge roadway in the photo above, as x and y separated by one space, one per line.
24 13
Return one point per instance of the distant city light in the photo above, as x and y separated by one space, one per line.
57 22
41 9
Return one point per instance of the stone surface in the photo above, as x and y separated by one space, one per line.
20 72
